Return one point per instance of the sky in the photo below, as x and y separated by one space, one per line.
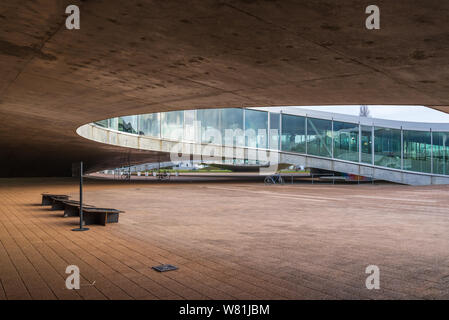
400 113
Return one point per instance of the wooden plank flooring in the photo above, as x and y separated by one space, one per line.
230 241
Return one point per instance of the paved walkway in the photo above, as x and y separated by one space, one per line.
230 240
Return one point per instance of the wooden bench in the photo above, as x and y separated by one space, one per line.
72 208
48 198
93 215
59 203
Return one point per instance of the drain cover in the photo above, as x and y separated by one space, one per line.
165 267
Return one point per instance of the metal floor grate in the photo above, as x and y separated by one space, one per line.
165 267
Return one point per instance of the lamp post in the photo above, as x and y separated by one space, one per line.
81 228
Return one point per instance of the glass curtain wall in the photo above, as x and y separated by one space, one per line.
256 128
275 130
366 144
387 147
189 125
103 123
417 151
346 141
232 127
128 124
293 135
440 152
210 125
296 134
172 125
319 137
149 124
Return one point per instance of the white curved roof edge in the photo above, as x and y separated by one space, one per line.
407 125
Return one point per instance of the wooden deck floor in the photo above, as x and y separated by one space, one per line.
229 240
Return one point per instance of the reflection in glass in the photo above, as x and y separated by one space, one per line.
217 125
346 141
417 154
387 147
275 123
113 123
172 125
440 152
210 125
232 126
293 136
366 144
149 124
256 128
102 123
189 125
319 137
128 124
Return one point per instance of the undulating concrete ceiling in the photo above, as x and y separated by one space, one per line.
141 56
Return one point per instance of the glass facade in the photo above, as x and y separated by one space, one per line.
411 150
128 124
256 128
275 130
417 151
346 141
149 125
189 125
293 135
210 125
440 152
319 137
387 147
366 144
103 123
172 125
232 127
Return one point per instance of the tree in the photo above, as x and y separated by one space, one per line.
364 111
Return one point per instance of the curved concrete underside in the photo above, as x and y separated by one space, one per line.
142 56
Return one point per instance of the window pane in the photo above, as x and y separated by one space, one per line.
103 123
417 156
172 125
113 123
366 144
440 152
128 124
256 128
387 147
293 135
319 137
274 133
210 125
149 124
232 126
189 125
346 141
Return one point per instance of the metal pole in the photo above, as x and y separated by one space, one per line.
81 228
